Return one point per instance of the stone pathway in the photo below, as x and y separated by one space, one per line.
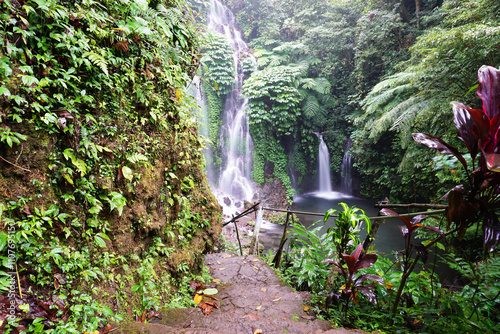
251 300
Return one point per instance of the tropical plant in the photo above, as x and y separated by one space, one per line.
353 280
479 198
419 251
348 224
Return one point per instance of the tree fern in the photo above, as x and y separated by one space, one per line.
319 85
311 106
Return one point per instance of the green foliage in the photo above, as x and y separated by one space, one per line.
217 61
274 99
348 224
92 100
442 68
9 137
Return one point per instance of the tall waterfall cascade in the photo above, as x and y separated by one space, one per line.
325 181
234 185
346 170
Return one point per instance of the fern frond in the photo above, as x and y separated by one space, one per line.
320 85
136 157
97 60
311 106
410 108
375 102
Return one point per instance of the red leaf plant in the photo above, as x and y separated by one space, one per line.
354 283
479 129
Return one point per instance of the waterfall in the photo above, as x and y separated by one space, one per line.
325 182
346 170
236 142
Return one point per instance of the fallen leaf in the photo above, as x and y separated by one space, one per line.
212 304
209 296
263 289
308 317
216 280
306 308
258 307
258 331
277 299
254 267
255 260
226 256
205 307
218 262
197 299
222 268
153 314
211 291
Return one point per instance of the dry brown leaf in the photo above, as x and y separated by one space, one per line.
306 308
216 280
255 260
226 256
308 317
212 304
254 267
258 307
222 268
277 299
258 331
205 307
209 296
197 299
218 262
263 289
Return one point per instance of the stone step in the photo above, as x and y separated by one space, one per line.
251 299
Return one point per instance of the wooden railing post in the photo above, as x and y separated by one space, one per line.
277 257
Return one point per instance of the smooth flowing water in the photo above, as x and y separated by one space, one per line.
325 181
234 183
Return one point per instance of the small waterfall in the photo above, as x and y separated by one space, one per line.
346 170
325 181
236 142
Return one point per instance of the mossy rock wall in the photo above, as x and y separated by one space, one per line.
101 165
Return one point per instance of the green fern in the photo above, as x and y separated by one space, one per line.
311 106
97 60
137 157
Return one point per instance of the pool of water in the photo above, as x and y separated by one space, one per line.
388 238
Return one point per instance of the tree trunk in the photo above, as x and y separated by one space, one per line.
417 12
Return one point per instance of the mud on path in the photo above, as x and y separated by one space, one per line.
251 299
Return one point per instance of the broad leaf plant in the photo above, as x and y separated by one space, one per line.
479 129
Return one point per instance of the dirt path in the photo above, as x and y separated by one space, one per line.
251 299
